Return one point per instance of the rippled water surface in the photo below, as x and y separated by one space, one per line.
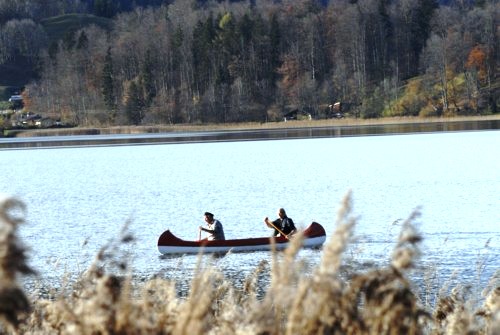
80 198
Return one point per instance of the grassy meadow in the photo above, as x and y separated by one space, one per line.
57 27
327 300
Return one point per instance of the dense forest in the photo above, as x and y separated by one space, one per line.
105 62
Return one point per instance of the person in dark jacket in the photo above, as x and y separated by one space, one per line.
215 230
283 225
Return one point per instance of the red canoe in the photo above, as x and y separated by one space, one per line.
168 243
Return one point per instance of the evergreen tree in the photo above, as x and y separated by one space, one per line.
421 29
107 86
204 35
386 34
245 28
275 47
176 44
53 50
147 78
68 40
83 41
227 35
134 104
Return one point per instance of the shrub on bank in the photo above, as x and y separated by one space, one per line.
326 301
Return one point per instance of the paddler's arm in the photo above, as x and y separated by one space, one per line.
272 224
269 223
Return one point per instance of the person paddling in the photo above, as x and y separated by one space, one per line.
215 230
283 225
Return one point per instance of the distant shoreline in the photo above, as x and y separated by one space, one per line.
113 136
187 128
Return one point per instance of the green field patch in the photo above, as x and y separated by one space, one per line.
58 26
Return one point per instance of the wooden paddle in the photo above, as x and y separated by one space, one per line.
279 230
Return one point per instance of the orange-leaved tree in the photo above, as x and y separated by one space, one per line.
477 61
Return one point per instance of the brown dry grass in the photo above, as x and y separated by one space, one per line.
247 125
376 301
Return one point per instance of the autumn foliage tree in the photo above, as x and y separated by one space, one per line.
210 61
477 62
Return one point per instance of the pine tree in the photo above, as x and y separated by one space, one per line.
147 78
68 40
275 47
176 44
204 36
83 41
421 28
134 104
107 86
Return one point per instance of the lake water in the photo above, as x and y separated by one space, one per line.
80 198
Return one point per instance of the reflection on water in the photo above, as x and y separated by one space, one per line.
246 135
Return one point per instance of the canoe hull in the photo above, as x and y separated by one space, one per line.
168 243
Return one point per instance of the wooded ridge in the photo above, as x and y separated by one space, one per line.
185 61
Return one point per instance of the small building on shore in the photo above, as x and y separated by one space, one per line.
16 101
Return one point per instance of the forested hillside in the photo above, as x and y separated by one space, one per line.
196 62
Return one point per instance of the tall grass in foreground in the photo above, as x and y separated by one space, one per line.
375 301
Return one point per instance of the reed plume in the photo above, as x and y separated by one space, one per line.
13 261
297 299
321 304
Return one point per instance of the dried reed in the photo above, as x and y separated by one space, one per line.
378 301
13 261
